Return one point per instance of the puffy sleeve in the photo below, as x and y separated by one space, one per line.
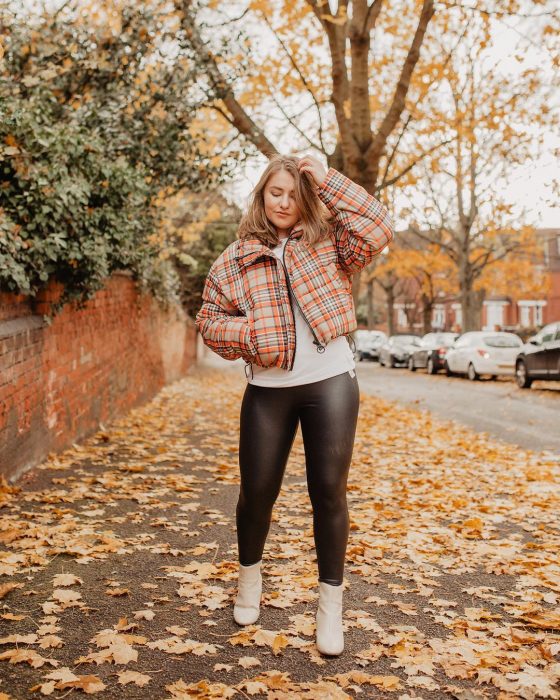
362 225
222 328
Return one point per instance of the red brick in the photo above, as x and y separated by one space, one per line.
43 377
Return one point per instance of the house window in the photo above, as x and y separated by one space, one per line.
494 314
531 313
438 317
458 309
539 313
402 320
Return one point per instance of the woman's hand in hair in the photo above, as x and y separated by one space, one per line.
313 166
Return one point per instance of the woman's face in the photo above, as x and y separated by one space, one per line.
279 203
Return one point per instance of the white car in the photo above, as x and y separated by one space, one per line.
368 343
483 352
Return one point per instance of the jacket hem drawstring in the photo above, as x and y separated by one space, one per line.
351 342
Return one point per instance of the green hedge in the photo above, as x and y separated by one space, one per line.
93 127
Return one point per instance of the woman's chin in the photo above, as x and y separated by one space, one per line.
283 224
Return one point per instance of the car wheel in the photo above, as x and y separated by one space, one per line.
522 377
391 361
472 374
431 367
411 366
493 377
359 356
448 370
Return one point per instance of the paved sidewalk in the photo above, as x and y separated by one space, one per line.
118 564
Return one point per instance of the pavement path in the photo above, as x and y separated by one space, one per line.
118 563
529 418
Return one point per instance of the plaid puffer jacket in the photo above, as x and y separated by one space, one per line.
246 310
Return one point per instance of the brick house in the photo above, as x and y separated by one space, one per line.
529 313
497 310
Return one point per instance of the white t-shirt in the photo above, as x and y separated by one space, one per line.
309 365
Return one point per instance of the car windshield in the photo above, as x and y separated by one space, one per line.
404 339
502 341
439 338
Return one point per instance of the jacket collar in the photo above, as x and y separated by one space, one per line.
249 249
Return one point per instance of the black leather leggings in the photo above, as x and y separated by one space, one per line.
328 412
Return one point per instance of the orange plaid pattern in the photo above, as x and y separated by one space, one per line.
246 310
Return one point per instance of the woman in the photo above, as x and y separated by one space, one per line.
280 297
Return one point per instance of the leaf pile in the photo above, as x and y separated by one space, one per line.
119 564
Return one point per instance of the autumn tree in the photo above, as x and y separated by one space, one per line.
353 83
385 273
494 121
520 275
194 229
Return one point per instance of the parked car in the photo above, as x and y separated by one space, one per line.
483 352
368 344
397 348
540 357
430 353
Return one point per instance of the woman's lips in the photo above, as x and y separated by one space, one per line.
281 213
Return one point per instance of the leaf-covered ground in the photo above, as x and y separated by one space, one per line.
118 564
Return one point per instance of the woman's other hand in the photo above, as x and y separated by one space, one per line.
314 167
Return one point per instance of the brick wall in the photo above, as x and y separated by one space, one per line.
58 381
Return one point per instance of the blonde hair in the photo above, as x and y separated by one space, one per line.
314 215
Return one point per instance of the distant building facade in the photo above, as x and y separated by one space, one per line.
497 311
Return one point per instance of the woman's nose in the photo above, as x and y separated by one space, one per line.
285 203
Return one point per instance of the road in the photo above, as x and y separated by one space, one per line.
528 418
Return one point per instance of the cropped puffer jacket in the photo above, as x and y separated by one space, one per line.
246 310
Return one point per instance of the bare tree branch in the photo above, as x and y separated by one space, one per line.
409 167
398 103
371 16
238 116
304 81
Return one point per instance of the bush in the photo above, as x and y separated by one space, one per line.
94 126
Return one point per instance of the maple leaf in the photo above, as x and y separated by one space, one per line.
18 656
19 639
144 614
248 661
89 684
139 679
66 596
66 580
5 588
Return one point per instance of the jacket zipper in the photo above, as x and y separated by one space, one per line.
320 348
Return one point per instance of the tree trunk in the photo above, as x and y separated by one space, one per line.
469 306
426 314
356 288
390 311
370 305
466 294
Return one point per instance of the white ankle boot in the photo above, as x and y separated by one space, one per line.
328 621
249 588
